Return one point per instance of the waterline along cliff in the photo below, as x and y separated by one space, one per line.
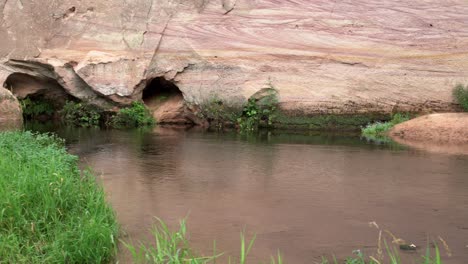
363 57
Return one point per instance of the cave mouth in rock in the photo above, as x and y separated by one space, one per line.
41 97
159 90
166 103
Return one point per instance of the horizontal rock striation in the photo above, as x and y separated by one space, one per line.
324 57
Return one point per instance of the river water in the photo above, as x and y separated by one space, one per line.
307 195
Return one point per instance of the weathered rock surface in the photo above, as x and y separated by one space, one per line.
10 110
436 132
172 111
323 56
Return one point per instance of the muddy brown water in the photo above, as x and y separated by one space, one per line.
307 195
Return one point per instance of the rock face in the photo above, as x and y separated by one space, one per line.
335 57
10 110
172 110
437 132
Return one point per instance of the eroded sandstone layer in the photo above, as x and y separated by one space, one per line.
334 57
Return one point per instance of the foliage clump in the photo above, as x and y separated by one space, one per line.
460 93
35 108
135 116
379 129
219 113
260 110
81 114
51 211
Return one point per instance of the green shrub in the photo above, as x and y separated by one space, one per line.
51 212
80 114
35 108
379 129
218 112
460 93
135 116
260 110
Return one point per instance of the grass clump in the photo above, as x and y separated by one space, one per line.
80 114
460 93
51 212
379 129
136 115
170 247
174 247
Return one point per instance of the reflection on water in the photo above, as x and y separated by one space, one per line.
305 194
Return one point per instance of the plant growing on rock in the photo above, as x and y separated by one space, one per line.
80 114
260 110
135 116
218 113
460 93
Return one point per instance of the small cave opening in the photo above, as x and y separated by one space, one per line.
160 89
40 97
166 102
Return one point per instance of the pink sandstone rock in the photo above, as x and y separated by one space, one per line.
10 110
322 56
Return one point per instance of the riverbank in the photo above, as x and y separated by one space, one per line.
152 181
443 133
51 211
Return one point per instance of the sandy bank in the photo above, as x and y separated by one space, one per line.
446 133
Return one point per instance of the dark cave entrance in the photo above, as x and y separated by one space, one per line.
160 89
166 102
41 97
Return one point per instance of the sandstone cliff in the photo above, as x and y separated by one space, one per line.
337 57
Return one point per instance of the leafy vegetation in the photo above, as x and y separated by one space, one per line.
460 93
218 113
379 129
81 114
174 247
51 212
135 116
35 108
260 110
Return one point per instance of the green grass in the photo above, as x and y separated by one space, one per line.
460 93
174 247
379 129
51 212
